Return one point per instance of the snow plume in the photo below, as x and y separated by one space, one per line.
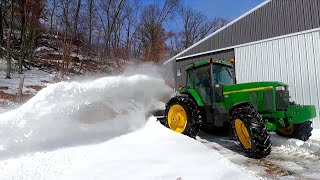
75 113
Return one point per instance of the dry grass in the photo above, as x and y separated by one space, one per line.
10 97
35 87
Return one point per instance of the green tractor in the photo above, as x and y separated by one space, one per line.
211 99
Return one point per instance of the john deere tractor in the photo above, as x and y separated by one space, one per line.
211 99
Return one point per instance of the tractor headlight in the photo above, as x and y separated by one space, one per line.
280 88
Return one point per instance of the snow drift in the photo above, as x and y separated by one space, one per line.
74 113
152 152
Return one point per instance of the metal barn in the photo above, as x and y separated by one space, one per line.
279 40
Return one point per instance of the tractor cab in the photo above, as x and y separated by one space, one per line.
209 77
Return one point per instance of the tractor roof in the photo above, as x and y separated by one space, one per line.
205 62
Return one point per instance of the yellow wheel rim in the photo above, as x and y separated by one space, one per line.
286 131
177 118
242 133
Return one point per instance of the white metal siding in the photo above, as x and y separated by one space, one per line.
294 60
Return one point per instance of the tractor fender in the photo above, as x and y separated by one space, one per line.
193 94
199 103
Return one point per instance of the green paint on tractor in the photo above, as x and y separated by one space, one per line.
270 99
213 100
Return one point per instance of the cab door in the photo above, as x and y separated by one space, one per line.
202 83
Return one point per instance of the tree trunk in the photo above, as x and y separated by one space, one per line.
8 76
66 29
22 48
21 82
32 46
51 16
23 37
76 19
1 27
90 20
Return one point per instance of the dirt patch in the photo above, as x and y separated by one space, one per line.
35 87
45 81
4 95
272 168
4 88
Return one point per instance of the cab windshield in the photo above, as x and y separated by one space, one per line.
222 75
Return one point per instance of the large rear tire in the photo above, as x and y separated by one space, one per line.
300 131
250 131
183 115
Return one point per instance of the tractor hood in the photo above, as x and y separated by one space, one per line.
253 86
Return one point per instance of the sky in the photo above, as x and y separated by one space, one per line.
229 9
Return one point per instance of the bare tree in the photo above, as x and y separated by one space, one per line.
65 5
76 18
111 29
23 14
1 26
196 26
30 14
91 4
130 27
52 13
66 25
8 75
110 16
152 32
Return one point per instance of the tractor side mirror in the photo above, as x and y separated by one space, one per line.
219 93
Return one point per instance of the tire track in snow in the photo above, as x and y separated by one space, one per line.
289 158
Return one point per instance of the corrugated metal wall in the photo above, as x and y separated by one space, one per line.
294 60
181 65
276 18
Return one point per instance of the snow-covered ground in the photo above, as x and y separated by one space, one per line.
96 130
289 159
33 81
152 152
33 77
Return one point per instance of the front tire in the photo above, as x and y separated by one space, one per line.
300 131
250 131
182 115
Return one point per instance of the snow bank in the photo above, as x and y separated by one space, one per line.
315 135
154 152
74 113
307 148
